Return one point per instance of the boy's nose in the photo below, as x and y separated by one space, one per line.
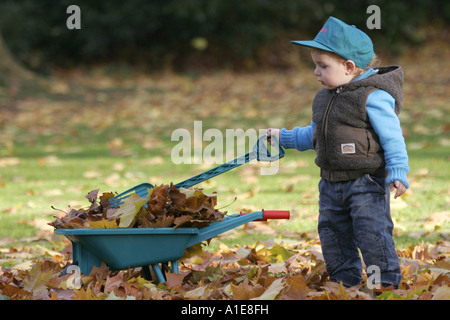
316 71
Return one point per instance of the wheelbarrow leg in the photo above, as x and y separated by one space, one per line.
174 266
158 273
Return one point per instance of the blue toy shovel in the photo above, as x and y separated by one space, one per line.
259 152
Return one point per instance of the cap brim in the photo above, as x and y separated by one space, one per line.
312 44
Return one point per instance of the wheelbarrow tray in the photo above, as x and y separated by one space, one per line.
125 248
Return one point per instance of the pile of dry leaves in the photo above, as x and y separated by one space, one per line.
164 207
284 269
264 271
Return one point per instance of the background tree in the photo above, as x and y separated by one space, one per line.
208 33
11 71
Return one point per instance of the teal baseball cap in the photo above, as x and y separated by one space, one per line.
347 41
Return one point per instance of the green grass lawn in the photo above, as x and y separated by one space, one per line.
101 131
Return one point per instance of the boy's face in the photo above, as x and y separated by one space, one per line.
331 71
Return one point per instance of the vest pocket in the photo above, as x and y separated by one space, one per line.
351 143
373 143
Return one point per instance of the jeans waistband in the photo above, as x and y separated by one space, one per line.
337 176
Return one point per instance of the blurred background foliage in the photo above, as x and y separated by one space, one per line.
184 34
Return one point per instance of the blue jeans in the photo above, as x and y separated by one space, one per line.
356 214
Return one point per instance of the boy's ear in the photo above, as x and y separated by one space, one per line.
350 67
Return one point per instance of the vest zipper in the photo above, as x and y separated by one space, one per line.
325 123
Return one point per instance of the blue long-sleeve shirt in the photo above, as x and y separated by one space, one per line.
380 107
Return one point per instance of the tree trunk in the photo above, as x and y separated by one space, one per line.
15 80
10 68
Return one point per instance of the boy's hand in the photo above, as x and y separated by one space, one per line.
401 189
271 132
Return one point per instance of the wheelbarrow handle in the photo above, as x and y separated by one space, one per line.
259 152
272 214
276 214
233 221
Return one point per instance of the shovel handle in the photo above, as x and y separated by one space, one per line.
259 152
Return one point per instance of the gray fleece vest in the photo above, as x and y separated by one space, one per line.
346 145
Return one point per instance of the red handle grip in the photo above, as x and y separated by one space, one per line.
276 214
271 214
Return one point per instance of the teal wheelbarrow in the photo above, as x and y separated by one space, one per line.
127 248
143 247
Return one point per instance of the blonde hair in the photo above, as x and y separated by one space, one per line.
375 62
359 71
